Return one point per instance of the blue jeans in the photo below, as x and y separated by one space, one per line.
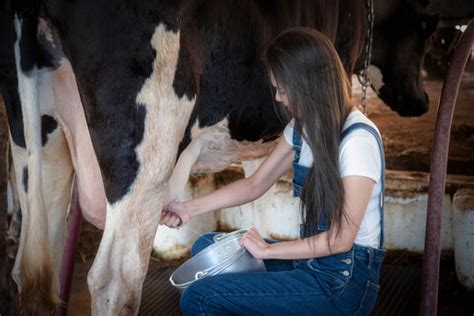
341 284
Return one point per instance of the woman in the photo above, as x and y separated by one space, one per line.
337 156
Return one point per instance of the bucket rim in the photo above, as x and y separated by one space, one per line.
215 269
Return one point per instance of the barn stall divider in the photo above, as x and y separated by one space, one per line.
439 163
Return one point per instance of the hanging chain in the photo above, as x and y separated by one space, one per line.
363 75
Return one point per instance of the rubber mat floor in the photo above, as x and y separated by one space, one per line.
159 296
399 295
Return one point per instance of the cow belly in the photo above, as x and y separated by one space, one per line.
70 113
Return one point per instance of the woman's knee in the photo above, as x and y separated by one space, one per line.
187 301
194 299
202 242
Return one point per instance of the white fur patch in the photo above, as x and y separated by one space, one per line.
10 202
45 90
196 130
376 78
44 30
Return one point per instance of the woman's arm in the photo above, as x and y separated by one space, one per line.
238 192
358 190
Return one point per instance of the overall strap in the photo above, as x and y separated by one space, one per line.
299 172
372 130
297 143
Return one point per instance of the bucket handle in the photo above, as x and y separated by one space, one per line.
221 236
200 274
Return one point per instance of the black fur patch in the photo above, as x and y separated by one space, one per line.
14 112
9 80
48 125
31 52
24 178
111 67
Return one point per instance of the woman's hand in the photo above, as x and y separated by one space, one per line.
174 215
255 244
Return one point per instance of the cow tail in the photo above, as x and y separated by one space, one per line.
36 269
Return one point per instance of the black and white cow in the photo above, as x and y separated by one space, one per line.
153 78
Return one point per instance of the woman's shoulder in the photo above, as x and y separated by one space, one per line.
359 151
288 132
357 116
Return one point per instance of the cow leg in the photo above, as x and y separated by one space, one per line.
89 184
56 186
58 176
120 266
71 115
43 199
13 204
33 263
15 211
19 165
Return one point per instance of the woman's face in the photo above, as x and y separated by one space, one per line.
280 94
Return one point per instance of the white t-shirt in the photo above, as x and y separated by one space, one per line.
359 155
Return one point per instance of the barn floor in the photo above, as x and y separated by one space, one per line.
398 296
408 144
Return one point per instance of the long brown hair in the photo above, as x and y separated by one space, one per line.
306 65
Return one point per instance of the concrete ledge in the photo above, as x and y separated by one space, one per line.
176 243
276 214
405 221
464 236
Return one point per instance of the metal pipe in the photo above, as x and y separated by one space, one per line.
67 265
439 159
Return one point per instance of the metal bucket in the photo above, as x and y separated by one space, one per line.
223 256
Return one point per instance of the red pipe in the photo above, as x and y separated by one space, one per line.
439 159
67 266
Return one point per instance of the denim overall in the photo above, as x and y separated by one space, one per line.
339 268
340 284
